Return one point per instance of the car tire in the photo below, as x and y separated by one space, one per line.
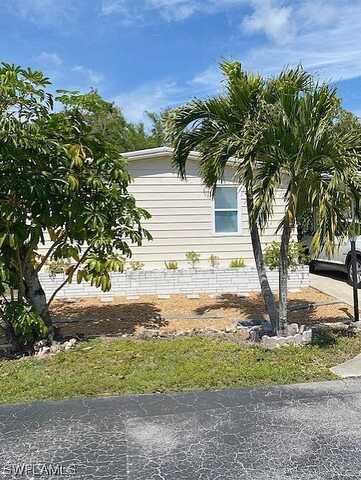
312 267
349 272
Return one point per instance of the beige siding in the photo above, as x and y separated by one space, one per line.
182 216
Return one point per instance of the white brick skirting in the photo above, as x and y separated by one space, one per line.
165 282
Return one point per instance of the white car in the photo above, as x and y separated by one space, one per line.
340 260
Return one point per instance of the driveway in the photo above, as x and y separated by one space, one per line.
303 432
334 284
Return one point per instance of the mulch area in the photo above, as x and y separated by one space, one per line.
91 317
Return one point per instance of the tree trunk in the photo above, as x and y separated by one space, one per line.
266 291
35 295
283 277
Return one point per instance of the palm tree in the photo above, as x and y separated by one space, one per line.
229 128
306 152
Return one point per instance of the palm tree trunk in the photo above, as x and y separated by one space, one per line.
283 277
266 291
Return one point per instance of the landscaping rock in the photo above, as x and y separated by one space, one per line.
276 342
69 344
291 329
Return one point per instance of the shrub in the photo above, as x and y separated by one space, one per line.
24 323
237 263
214 261
136 266
296 255
171 265
193 258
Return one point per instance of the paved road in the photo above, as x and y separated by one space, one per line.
334 284
303 432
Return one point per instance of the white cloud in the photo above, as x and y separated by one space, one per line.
267 18
151 98
41 11
170 10
88 74
49 59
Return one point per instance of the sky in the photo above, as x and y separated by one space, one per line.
147 55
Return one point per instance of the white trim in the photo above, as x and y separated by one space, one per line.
157 152
238 210
161 152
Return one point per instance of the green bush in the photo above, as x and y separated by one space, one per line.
26 325
171 265
237 263
296 255
214 261
193 258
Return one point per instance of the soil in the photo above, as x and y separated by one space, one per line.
91 317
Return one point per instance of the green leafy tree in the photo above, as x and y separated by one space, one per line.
62 179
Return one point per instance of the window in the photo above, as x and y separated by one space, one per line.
226 211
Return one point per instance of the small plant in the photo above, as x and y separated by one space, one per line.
296 255
237 263
25 325
193 258
136 266
171 265
57 266
214 261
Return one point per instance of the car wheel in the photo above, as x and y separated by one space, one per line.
312 267
349 272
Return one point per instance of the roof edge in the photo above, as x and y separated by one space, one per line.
157 152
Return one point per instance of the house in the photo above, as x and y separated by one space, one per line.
185 217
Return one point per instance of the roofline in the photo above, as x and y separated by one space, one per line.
157 152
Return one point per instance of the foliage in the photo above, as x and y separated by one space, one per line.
171 265
124 366
135 266
214 261
237 263
193 258
24 322
57 266
296 255
61 175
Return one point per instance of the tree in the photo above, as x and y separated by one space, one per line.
306 149
107 120
61 177
225 129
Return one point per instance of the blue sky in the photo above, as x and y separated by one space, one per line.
150 54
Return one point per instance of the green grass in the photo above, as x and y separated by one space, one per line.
128 366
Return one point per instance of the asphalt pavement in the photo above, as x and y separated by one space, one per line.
310 431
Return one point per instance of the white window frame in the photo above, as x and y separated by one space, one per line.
214 210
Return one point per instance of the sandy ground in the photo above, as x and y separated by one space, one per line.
91 317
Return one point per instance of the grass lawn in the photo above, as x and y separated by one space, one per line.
124 366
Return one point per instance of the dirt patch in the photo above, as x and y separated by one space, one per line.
122 316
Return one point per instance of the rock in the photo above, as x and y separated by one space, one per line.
148 334
43 352
69 344
299 339
291 329
307 337
302 329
